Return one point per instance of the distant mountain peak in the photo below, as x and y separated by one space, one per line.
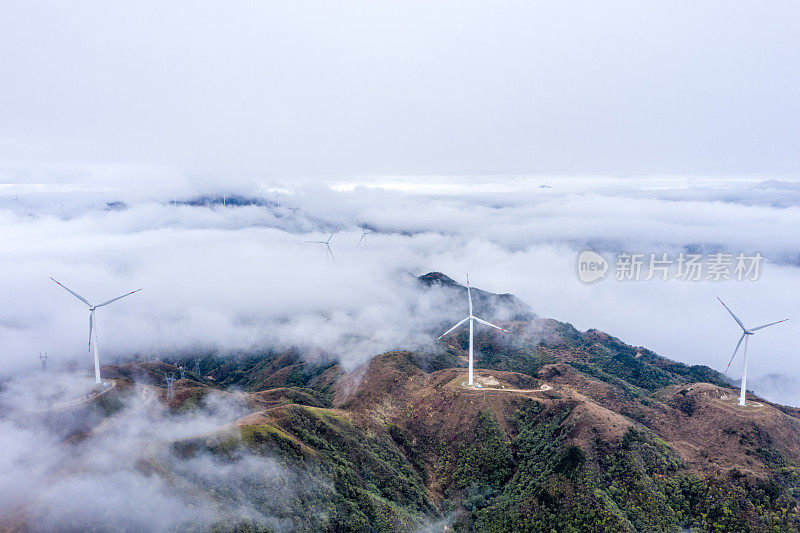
492 305
438 278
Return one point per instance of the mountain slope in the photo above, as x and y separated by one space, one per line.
623 440
571 431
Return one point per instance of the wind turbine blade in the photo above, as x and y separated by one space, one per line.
451 329
332 234
489 324
363 236
734 352
770 324
329 251
75 294
469 296
736 318
118 297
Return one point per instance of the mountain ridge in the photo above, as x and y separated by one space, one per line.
571 431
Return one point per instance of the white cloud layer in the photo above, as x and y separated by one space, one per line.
124 476
240 278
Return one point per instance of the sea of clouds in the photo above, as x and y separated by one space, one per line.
232 278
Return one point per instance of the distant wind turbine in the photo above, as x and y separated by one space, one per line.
472 318
327 243
92 329
364 233
745 337
16 199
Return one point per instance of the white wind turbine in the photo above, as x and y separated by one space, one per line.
745 336
472 318
364 233
327 243
92 329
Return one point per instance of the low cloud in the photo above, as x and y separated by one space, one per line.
238 278
124 475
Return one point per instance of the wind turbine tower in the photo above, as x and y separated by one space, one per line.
92 328
746 333
43 359
472 319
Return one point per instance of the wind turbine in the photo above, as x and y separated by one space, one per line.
472 318
745 337
16 199
364 233
327 243
92 329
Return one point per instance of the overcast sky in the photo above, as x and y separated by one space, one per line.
322 88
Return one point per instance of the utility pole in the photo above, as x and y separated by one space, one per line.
170 389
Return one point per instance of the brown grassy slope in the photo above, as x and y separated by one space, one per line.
711 432
700 422
438 414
